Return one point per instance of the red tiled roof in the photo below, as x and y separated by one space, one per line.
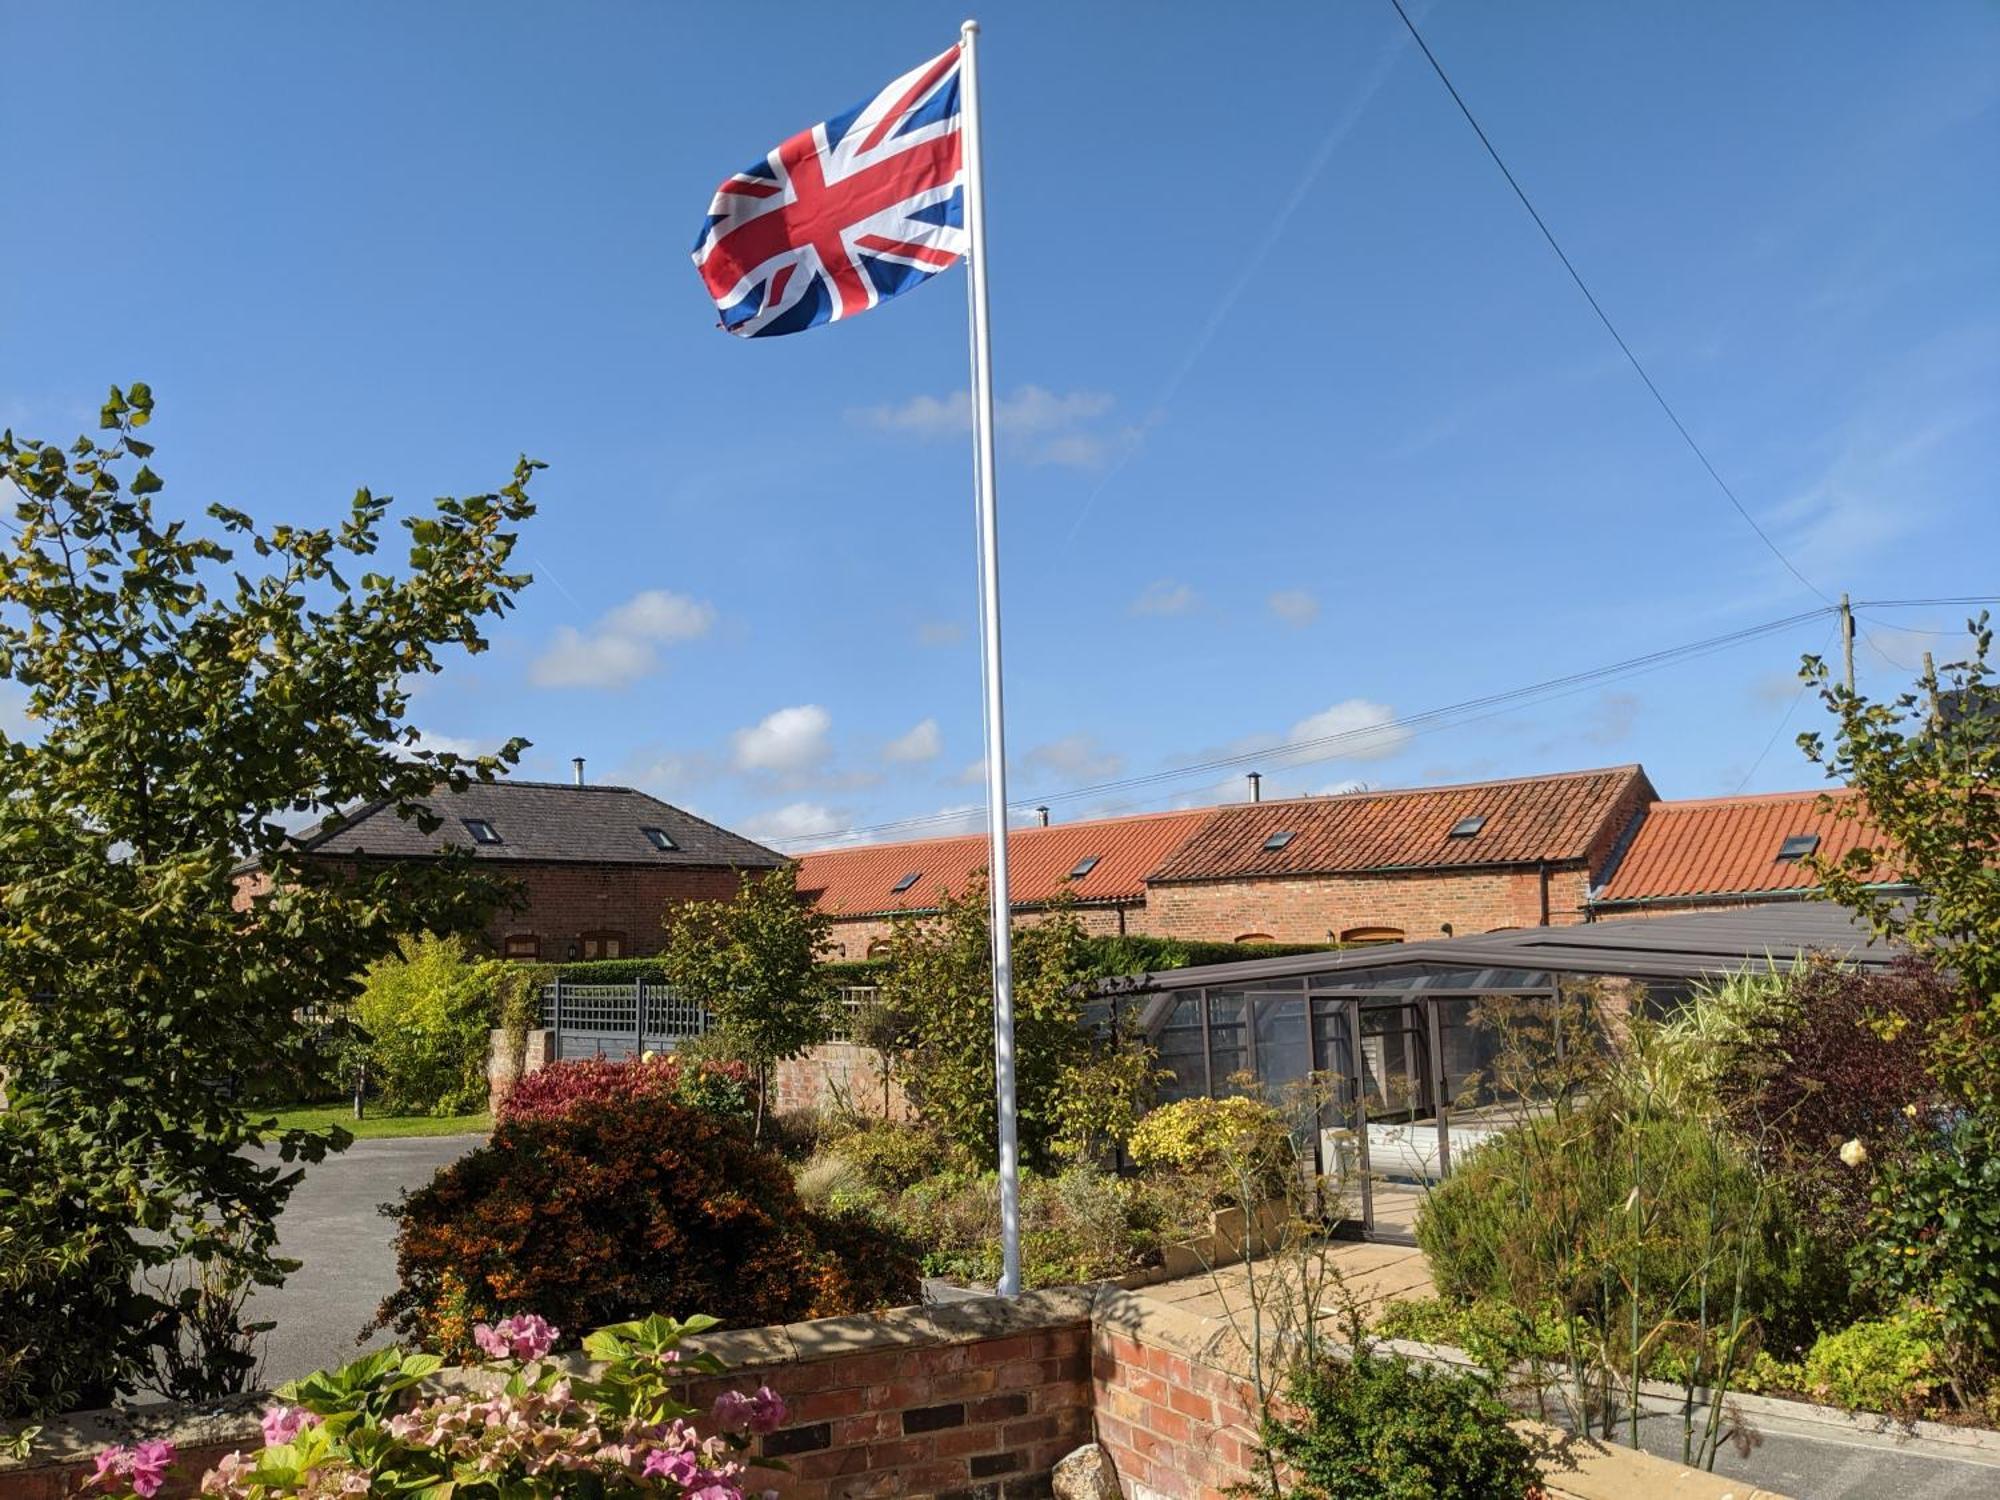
856 881
1728 846
1528 820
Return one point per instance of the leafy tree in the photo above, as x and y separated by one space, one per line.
940 981
197 691
1927 766
754 962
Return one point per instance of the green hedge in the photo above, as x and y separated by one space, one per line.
1107 956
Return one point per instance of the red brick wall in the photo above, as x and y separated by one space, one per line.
1183 1429
852 936
837 1074
979 1420
1320 908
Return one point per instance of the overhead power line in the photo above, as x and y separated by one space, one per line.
1294 753
1598 307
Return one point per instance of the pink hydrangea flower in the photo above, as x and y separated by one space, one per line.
144 1466
732 1411
680 1468
525 1337
283 1423
767 1410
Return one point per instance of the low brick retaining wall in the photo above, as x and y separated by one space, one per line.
972 1400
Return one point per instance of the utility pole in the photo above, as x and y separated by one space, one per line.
1847 642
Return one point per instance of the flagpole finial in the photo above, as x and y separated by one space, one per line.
970 28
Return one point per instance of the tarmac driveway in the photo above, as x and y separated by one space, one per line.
333 1225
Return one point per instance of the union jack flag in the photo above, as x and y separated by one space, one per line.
844 215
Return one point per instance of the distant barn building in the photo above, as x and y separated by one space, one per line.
597 867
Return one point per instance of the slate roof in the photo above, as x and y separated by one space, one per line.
858 881
1690 945
1529 820
1728 846
543 821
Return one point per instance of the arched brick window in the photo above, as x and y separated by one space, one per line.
879 948
1362 937
1256 937
526 946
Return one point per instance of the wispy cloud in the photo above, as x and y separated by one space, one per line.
1073 758
1038 426
940 633
922 743
624 645
1296 607
1353 729
1163 596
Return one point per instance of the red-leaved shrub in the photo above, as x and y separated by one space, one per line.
719 1087
621 1205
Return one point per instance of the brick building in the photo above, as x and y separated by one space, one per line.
1717 853
1355 868
596 867
1103 864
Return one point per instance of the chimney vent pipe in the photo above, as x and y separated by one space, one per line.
576 764
1256 780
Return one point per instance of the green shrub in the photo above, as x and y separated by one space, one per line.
429 1014
1554 1211
1379 1428
621 1206
891 1156
1235 1144
1080 1225
1892 1364
1497 1334
1935 1235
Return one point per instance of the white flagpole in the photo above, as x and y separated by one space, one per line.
989 627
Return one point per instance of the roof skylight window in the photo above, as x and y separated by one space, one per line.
906 882
1466 828
660 839
1083 867
482 831
1797 846
1279 839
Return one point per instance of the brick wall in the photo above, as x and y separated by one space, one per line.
973 1400
1321 908
837 1073
854 936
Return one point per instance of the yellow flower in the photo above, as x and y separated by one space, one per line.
1854 1153
1910 1110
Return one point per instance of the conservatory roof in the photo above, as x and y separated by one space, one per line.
1678 947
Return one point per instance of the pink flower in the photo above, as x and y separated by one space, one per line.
767 1410
150 1462
732 1411
525 1337
677 1467
112 1463
283 1423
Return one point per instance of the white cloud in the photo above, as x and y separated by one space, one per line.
1076 757
1296 607
1036 425
1359 730
797 822
788 742
923 742
940 633
624 644
452 744
1163 596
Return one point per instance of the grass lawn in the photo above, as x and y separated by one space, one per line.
379 1127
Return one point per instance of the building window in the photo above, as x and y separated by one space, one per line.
523 945
1255 937
879 948
603 944
1083 867
1363 937
660 840
482 831
1797 846
1466 828
1278 840
906 882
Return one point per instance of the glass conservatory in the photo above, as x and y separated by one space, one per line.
1403 1044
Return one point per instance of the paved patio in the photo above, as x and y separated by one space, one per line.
1375 1275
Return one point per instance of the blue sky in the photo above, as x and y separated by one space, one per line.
1306 430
